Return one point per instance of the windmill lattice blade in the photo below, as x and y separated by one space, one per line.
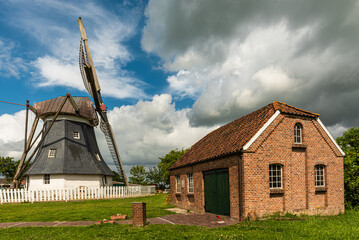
83 61
105 128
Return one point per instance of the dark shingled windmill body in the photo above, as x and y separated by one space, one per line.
67 154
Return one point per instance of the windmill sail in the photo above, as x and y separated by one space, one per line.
107 130
92 85
83 61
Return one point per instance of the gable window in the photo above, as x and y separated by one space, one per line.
178 184
76 135
190 183
275 176
298 133
97 157
104 178
319 176
47 179
52 153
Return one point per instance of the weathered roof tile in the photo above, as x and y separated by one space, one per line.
231 137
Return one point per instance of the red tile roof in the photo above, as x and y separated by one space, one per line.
51 106
231 137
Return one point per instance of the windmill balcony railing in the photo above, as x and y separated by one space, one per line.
79 193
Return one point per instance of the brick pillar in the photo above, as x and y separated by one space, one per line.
139 213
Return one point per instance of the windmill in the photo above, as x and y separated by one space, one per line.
92 85
67 149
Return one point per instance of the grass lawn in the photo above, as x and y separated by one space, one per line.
344 226
81 211
338 227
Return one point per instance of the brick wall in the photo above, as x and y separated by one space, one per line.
275 145
196 201
249 177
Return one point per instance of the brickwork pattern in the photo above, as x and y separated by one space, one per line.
196 200
275 145
249 173
139 213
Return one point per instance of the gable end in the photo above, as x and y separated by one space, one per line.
330 136
263 128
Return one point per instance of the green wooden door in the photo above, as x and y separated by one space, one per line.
216 191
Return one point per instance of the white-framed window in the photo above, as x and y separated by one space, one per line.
178 184
190 183
76 135
47 179
97 157
319 175
275 176
52 153
298 133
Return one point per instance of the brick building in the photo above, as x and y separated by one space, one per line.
278 158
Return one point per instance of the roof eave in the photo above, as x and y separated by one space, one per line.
207 159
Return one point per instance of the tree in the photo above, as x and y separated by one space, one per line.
349 143
8 168
155 175
139 174
167 161
117 177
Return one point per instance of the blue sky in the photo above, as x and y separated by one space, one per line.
32 30
172 71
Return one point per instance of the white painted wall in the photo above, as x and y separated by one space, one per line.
67 181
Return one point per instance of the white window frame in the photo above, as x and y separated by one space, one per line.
178 184
276 176
52 153
190 183
76 135
319 174
298 133
47 179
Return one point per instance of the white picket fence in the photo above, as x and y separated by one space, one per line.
80 193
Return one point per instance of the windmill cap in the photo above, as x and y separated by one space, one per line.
50 107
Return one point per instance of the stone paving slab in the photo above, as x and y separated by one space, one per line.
199 219
177 210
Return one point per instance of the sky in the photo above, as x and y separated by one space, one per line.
172 71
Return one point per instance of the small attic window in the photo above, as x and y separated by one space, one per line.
97 157
298 133
52 153
76 135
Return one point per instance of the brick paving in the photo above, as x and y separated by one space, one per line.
198 219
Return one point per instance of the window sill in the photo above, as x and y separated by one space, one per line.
321 189
276 191
299 145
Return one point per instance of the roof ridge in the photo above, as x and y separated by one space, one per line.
288 105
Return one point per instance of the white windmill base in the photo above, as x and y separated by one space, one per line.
67 181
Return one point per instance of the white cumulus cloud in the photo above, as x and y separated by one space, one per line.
106 32
150 129
233 57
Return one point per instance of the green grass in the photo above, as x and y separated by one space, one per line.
344 226
337 227
81 211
